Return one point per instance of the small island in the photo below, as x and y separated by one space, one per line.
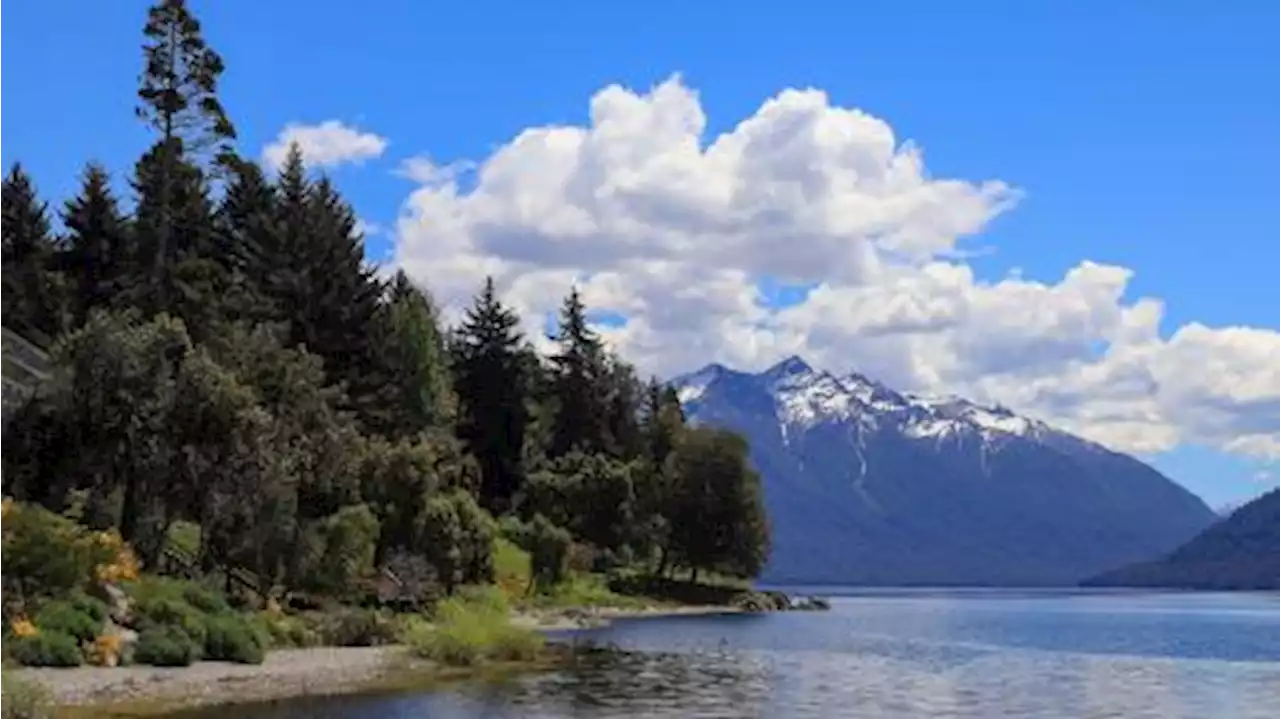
230 439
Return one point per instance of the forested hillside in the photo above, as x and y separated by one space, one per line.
240 394
1240 552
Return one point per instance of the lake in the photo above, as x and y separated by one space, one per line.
892 654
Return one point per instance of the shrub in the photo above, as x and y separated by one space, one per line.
61 617
166 613
199 596
203 598
92 606
282 630
25 700
472 629
46 649
166 646
352 627
231 638
587 590
46 555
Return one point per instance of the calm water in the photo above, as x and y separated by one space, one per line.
900 654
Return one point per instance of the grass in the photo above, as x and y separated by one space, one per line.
472 628
586 591
25 699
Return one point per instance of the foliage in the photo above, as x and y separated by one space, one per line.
237 396
166 646
343 544
230 637
512 565
352 627
547 550
46 555
25 699
45 649
586 590
62 617
471 630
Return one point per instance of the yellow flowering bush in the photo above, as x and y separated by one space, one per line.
121 563
23 627
47 555
105 650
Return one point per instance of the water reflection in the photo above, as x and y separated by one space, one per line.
872 660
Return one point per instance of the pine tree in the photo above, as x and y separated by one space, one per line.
278 269
33 297
100 257
344 319
579 369
178 89
489 364
662 420
418 351
246 235
173 226
623 401
177 97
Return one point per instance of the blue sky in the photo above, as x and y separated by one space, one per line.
1144 134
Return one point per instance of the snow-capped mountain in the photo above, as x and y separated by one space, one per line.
869 485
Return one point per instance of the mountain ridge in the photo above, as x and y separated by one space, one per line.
868 485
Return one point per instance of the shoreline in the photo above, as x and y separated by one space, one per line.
141 690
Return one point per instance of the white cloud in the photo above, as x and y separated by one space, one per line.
327 144
674 230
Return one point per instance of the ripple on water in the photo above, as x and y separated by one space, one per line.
896 658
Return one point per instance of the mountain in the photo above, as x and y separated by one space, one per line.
1239 552
866 485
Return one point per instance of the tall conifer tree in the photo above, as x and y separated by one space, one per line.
579 377
100 258
33 298
489 363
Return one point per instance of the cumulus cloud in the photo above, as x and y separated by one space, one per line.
674 230
327 144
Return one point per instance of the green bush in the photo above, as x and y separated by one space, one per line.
231 638
160 613
201 597
353 627
282 630
46 555
472 629
62 617
166 646
92 606
46 649
205 599
25 700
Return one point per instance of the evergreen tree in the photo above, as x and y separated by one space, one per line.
173 225
662 420
343 317
421 364
33 298
579 380
99 255
178 88
246 233
623 399
177 98
278 268
489 365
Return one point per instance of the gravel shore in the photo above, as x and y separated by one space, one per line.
287 672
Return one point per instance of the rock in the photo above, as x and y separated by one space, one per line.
119 605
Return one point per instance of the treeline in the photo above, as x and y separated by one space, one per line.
227 363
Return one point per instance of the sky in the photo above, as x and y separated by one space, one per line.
1068 206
